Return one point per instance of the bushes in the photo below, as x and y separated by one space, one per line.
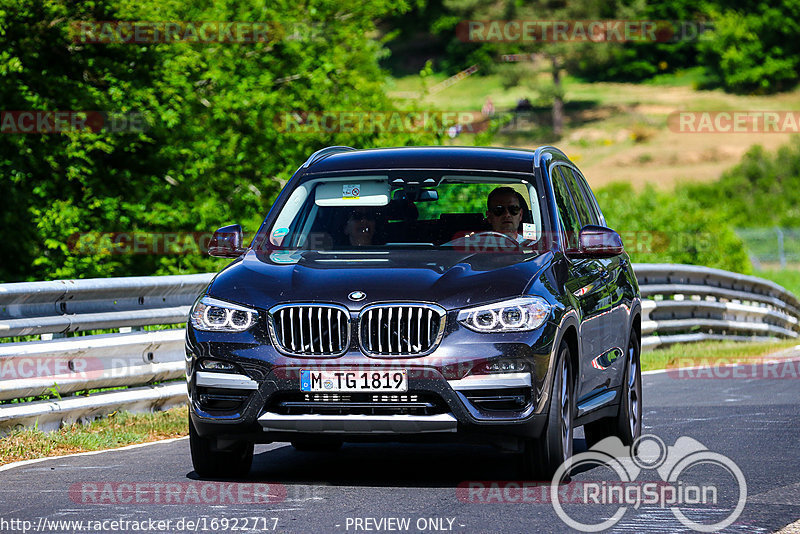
763 190
754 50
212 154
695 223
671 227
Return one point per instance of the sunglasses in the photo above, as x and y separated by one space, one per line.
497 211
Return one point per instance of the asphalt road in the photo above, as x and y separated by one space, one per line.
407 488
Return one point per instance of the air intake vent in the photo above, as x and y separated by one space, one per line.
401 329
412 403
310 329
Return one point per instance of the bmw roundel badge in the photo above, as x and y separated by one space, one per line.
357 295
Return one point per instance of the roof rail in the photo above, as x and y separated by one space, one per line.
547 150
321 153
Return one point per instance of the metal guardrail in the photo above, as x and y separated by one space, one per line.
72 364
681 303
686 303
63 306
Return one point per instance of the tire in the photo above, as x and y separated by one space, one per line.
317 445
211 462
627 424
543 456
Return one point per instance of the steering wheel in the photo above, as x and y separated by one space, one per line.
492 233
486 237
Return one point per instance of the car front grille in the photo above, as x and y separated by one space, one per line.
411 403
310 329
401 329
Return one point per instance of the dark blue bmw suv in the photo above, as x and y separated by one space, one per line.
418 293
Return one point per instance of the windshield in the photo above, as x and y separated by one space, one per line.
381 212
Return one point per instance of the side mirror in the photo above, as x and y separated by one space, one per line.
599 242
226 242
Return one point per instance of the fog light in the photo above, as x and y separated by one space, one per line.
501 366
216 365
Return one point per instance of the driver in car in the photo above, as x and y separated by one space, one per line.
504 212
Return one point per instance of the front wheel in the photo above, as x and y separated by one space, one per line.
211 462
543 456
627 424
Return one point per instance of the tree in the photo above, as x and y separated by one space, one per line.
211 154
754 48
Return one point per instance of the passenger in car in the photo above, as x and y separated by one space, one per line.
362 226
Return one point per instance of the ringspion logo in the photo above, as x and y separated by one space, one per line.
680 490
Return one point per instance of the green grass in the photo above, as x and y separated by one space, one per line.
54 393
788 278
693 77
109 432
711 351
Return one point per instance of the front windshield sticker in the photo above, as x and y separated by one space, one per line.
279 232
351 191
529 231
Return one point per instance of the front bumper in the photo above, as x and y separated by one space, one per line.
251 403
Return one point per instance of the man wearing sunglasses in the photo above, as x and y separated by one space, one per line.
504 212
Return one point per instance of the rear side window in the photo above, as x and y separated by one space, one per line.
587 215
566 209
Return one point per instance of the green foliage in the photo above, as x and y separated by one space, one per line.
460 198
671 227
763 190
695 222
212 154
742 46
789 279
755 49
711 353
680 26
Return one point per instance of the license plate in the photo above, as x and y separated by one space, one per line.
348 381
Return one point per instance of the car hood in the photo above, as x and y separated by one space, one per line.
453 279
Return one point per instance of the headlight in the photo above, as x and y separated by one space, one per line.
219 316
519 314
